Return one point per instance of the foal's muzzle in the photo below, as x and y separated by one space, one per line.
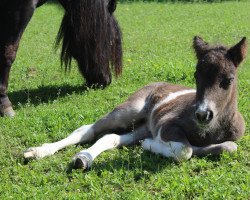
203 116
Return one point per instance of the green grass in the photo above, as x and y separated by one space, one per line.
157 40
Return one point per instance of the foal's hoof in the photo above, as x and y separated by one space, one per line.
229 146
39 152
82 160
8 112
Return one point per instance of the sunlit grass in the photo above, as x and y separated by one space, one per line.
157 40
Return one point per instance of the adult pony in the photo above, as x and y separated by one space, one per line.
172 120
89 33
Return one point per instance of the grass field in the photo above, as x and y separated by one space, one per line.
50 104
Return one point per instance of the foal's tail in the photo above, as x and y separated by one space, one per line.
90 33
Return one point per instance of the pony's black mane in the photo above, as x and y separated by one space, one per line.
90 34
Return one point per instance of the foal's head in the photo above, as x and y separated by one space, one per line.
216 78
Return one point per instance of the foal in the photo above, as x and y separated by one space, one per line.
172 120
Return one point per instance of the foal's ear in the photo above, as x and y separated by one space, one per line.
200 46
111 6
238 52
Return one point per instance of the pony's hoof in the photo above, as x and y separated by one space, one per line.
39 152
6 109
28 154
229 146
8 112
83 161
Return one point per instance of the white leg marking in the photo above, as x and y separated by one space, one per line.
105 143
83 134
176 150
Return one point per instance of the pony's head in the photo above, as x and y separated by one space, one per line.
91 35
216 78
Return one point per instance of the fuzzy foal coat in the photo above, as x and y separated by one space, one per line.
171 120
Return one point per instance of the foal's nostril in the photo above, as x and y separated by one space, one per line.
200 116
209 115
204 116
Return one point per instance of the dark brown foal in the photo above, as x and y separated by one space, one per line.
172 120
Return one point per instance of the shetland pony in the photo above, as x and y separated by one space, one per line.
89 33
172 120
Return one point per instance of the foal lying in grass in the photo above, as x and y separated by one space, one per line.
172 120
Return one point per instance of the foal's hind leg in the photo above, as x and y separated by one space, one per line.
83 134
85 158
122 116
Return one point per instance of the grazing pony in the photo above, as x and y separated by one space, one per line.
89 33
172 120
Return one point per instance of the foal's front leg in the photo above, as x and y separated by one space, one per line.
175 146
215 149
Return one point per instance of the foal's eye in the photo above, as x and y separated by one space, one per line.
226 82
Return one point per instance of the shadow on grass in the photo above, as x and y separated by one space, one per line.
146 163
142 166
44 94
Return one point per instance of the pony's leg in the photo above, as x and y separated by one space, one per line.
181 151
176 150
13 19
84 159
122 116
7 57
215 149
171 143
83 134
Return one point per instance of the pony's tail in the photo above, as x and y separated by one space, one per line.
90 34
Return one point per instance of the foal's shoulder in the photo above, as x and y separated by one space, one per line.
164 88
237 127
